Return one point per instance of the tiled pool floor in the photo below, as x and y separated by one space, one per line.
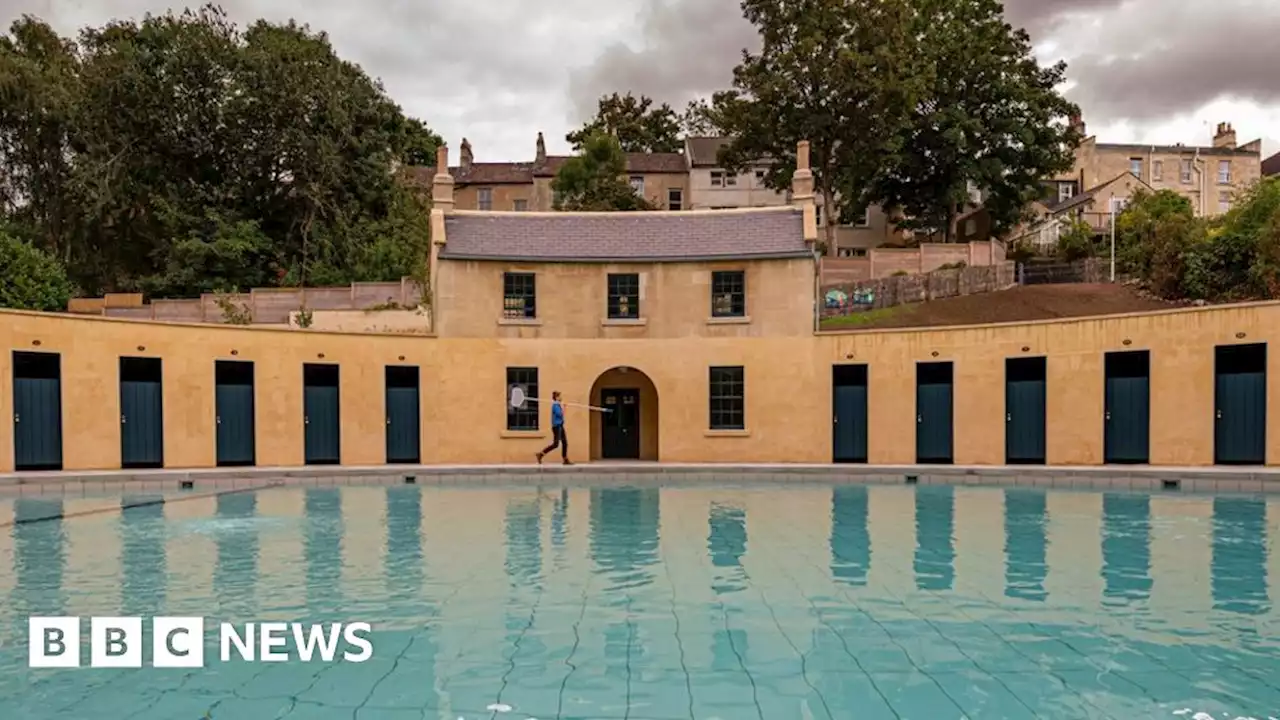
667 604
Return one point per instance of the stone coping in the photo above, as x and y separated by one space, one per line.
1111 477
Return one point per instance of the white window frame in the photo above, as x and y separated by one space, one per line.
1066 191
717 178
1186 170
1224 172
1224 201
1157 170
1118 204
678 192
637 184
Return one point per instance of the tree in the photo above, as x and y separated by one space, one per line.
838 73
33 279
181 153
991 117
1075 242
638 126
594 179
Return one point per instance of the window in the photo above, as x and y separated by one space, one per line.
851 252
637 185
1186 171
1135 166
519 296
520 205
717 178
760 177
1118 204
1224 201
624 296
817 213
484 198
675 199
728 293
728 411
1157 170
970 226
1066 191
863 220
523 418
1224 172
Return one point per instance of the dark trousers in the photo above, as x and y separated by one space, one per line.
558 438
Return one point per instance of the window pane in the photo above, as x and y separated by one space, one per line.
728 294
727 406
526 417
519 296
624 296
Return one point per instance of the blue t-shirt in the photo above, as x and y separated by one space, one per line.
557 415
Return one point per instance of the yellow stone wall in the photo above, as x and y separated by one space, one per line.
788 387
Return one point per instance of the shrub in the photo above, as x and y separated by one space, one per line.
30 278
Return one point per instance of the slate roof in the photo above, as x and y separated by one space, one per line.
1271 166
1087 195
679 236
704 152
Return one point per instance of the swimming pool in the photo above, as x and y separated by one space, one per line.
687 601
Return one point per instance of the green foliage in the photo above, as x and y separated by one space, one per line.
180 153
638 126
842 74
594 180
1178 255
1075 242
990 115
32 279
233 313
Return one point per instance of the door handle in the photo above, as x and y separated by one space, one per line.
123 420
1107 416
919 418
835 420
388 421
17 418
217 420
1008 417
1218 414
306 421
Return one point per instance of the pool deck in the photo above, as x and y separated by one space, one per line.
1106 477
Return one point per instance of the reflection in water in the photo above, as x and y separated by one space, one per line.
727 543
624 534
935 538
141 529
735 619
1025 543
237 567
322 548
1239 574
850 538
1126 547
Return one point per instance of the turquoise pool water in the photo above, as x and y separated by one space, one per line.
666 604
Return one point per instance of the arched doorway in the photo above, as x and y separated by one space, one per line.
630 431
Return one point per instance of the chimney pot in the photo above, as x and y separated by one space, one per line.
1225 137
541 155
464 155
442 159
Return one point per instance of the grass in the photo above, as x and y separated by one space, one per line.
859 318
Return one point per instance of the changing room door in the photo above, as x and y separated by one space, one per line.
234 413
1127 414
934 413
1024 394
141 413
403 423
37 411
320 415
849 420
1240 399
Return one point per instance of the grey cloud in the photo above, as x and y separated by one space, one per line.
1039 17
445 62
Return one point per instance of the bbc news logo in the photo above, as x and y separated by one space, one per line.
178 642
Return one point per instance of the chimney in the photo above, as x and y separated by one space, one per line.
1077 123
1225 137
802 193
465 156
442 183
541 156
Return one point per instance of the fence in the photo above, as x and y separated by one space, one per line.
903 289
1090 270
270 306
884 262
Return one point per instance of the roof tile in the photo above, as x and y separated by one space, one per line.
625 236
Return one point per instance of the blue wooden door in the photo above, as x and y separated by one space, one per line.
141 413
849 413
1240 405
234 413
1025 411
934 413
1127 411
37 411
320 415
404 443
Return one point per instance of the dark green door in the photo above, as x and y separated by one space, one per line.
234 413
1127 411
849 416
141 413
1240 404
37 411
620 428
404 444
933 413
1024 419
320 415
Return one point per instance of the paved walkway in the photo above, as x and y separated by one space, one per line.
1117 477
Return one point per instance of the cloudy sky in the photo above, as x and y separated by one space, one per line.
498 71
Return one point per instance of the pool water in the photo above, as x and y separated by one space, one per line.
694 601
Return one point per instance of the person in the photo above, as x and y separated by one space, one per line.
558 437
